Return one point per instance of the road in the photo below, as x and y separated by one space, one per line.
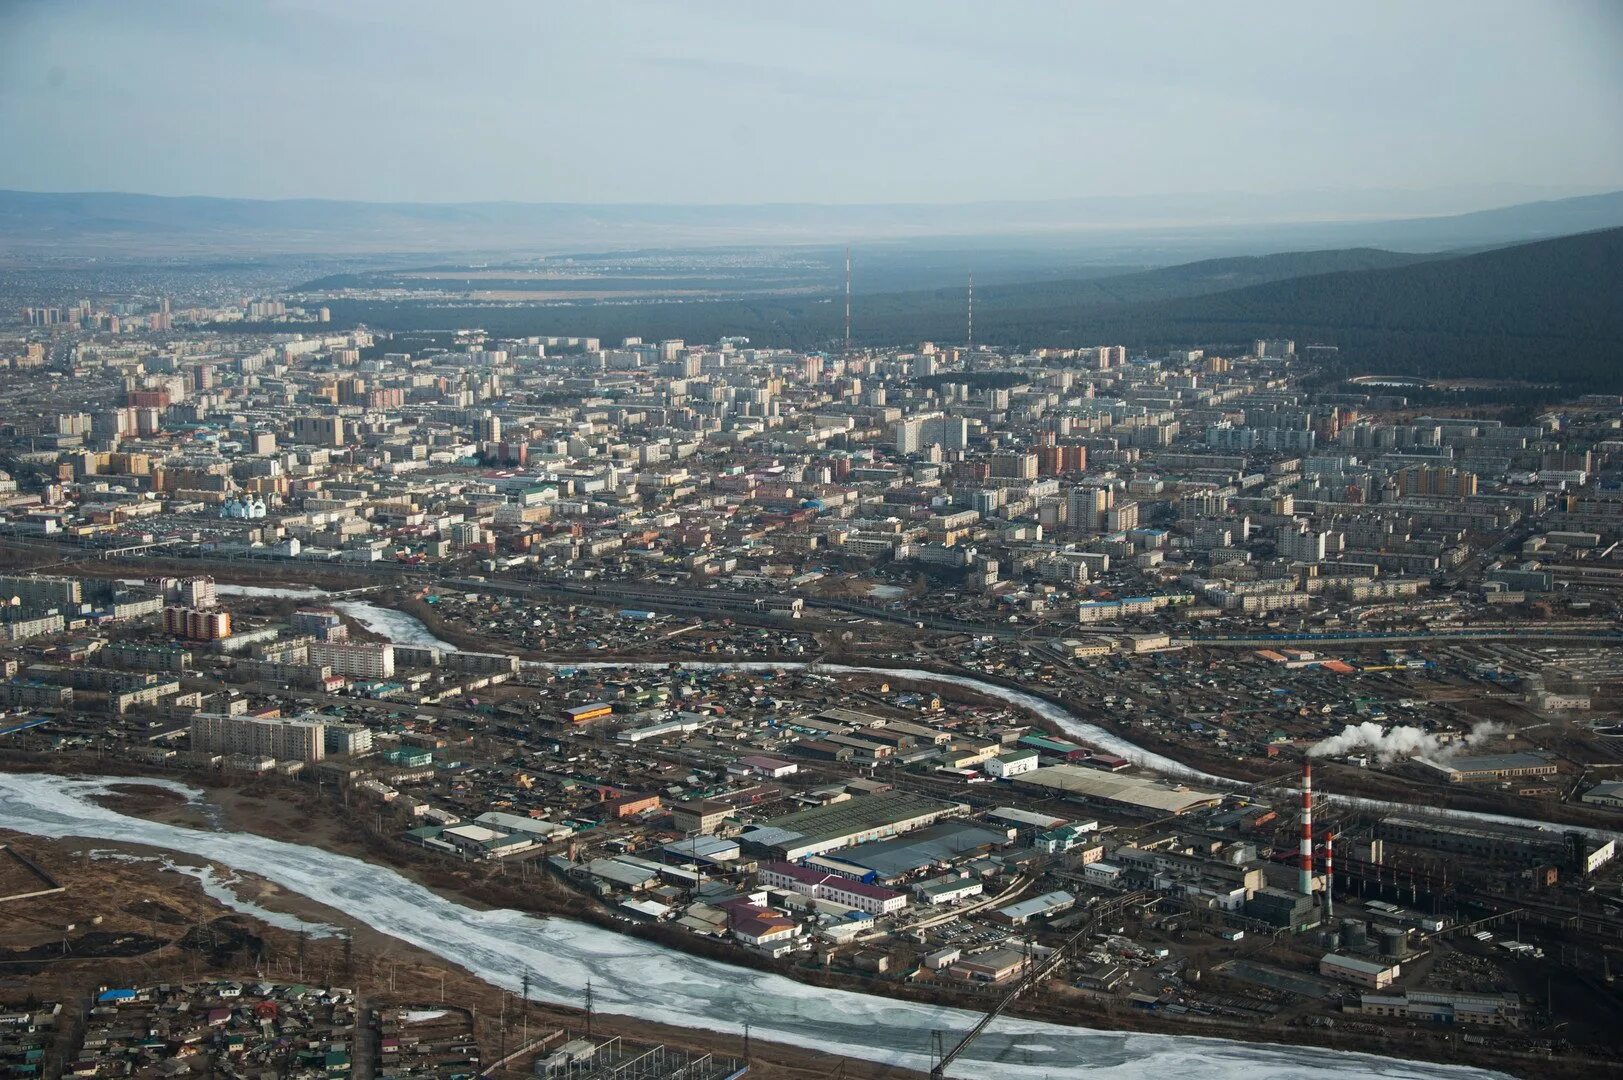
760 606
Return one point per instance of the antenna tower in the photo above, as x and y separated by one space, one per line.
969 346
848 298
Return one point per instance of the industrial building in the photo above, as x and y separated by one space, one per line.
700 815
703 849
842 824
1573 849
941 844
517 825
873 899
1133 793
1036 907
470 841
580 714
1492 767
1442 1007
1605 793
1368 973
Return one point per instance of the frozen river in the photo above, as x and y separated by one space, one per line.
396 626
636 978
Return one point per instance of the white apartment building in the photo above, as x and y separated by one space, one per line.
276 737
355 659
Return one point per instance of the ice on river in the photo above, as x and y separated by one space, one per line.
396 626
636 978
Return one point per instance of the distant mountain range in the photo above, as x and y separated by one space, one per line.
1394 295
1544 311
1146 230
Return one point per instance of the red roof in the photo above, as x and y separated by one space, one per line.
821 877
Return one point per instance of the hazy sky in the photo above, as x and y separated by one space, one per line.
889 101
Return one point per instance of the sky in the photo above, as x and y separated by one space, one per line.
829 102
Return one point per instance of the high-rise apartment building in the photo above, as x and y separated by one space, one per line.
285 739
355 659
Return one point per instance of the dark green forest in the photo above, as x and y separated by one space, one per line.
1545 311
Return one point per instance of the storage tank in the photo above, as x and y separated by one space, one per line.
1394 942
1354 934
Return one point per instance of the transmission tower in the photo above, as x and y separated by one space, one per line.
969 345
848 298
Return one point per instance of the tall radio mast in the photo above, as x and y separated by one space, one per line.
969 346
848 298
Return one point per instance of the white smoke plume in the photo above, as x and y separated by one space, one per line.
1402 741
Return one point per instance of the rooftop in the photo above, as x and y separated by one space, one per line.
1133 791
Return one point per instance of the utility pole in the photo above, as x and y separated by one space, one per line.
524 1039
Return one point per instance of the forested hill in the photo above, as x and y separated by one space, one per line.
1549 311
880 318
1546 311
1168 282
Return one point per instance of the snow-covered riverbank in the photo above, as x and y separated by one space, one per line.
633 977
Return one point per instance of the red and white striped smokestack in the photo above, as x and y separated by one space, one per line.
1305 883
1329 876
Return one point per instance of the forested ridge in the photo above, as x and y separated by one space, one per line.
1548 311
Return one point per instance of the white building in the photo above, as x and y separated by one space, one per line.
1012 764
278 737
356 659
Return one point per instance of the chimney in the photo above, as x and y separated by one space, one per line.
1305 882
1329 876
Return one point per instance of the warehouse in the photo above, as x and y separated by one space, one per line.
842 824
581 714
700 815
1026 820
941 844
769 767
704 849
1012 764
684 724
470 841
819 885
534 828
1605 793
1442 1007
1491 767
1128 792
1053 748
1353 970
990 966
1572 849
1037 907
949 889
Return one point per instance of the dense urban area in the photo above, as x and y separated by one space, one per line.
1192 691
